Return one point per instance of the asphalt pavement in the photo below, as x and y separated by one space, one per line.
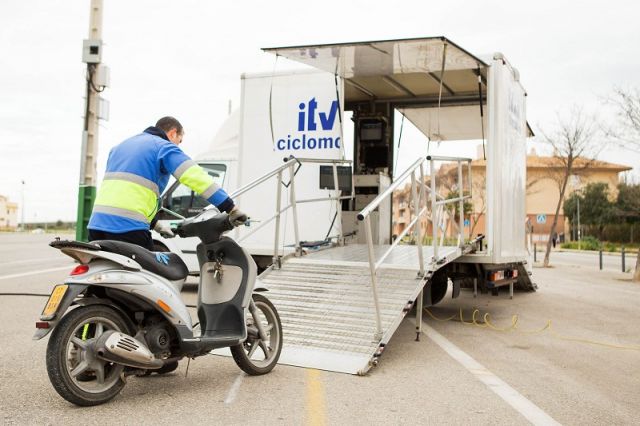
583 369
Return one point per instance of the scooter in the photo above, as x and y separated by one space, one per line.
120 312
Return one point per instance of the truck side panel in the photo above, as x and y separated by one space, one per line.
506 165
293 113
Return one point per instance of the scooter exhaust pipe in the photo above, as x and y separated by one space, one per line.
121 348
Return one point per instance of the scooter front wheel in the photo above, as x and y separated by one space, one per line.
75 371
257 356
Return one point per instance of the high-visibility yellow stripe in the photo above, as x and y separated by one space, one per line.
196 178
128 196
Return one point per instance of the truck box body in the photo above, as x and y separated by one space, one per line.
300 113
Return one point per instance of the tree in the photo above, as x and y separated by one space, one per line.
573 140
627 205
626 105
596 209
570 210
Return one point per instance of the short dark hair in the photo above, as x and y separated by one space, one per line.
167 123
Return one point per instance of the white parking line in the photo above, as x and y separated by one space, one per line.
18 262
522 405
41 271
233 391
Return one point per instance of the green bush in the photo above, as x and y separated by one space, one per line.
587 243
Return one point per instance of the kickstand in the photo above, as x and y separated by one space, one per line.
417 334
187 370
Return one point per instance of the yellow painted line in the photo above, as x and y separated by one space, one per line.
315 398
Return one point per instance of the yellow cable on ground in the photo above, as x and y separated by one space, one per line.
487 324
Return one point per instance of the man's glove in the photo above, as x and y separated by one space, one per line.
164 230
237 218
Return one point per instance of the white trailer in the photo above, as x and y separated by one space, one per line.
322 221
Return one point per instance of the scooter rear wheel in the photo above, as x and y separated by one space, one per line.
255 356
74 370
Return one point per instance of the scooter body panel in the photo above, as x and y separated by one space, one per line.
227 278
147 286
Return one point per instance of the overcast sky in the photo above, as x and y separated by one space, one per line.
185 59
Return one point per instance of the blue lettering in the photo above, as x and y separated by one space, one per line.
324 143
281 144
293 144
301 117
337 142
311 143
311 118
327 123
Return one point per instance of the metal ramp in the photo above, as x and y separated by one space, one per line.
325 303
340 306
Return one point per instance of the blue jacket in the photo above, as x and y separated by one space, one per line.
137 173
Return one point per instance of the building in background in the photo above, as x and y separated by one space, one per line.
8 214
541 200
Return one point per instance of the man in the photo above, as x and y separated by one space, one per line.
138 170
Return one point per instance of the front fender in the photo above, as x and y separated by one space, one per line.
74 290
259 287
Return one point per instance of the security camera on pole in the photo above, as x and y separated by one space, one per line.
96 108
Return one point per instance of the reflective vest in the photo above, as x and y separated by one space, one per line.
137 173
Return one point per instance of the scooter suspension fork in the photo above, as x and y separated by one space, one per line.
256 320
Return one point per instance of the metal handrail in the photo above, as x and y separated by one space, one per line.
444 158
394 185
264 178
290 163
437 212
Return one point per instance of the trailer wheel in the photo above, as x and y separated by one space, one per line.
438 289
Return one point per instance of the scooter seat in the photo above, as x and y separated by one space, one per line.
168 265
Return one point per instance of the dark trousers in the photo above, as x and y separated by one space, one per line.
141 238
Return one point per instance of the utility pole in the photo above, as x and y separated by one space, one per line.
97 79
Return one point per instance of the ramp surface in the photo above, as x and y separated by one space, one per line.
325 302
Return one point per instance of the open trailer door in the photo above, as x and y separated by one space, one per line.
449 94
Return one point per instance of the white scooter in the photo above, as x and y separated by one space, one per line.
127 317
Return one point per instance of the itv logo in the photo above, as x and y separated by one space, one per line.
326 119
308 117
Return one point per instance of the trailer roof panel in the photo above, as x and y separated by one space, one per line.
393 69
382 57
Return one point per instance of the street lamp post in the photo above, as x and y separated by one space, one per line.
22 207
579 244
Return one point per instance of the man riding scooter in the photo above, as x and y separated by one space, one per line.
137 172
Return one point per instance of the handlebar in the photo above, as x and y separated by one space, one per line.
209 225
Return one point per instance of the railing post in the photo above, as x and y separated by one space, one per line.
374 282
338 204
294 208
434 215
416 212
423 196
276 240
461 214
